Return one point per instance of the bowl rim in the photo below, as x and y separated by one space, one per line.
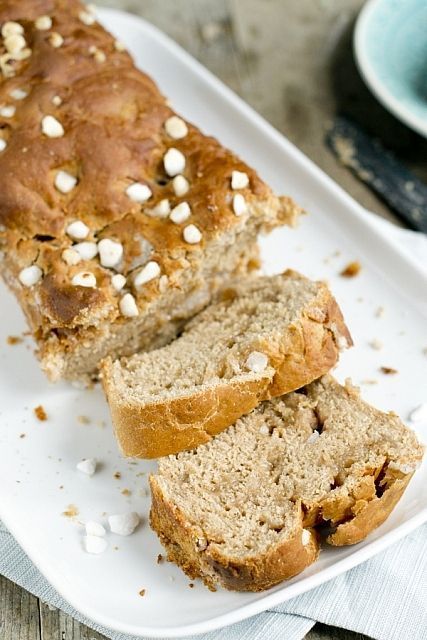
369 74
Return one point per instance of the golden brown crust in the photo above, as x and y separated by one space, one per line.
282 562
373 513
312 348
180 537
180 423
257 573
113 118
305 352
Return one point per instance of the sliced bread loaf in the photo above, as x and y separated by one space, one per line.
243 511
265 337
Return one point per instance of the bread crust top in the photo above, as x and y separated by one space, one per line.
113 119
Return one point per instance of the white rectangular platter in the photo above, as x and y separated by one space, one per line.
38 477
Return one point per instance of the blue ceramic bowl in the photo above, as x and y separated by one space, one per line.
390 44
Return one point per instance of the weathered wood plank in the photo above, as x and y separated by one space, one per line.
56 625
324 632
292 47
19 613
202 27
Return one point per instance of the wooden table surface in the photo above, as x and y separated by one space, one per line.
291 60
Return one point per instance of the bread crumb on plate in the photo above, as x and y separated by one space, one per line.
71 511
40 413
388 371
351 270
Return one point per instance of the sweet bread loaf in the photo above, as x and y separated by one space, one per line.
118 218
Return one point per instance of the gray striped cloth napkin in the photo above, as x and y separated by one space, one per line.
384 598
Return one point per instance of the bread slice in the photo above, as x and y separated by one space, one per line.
245 510
265 337
118 219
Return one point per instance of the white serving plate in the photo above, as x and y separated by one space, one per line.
34 468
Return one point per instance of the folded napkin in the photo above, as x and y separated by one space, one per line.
384 598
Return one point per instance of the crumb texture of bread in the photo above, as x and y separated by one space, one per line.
93 165
265 336
248 509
